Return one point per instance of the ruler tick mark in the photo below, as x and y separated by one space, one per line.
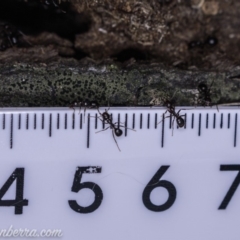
133 123
65 122
235 131
155 120
35 121
88 131
221 122
50 125
19 121
185 121
229 120
126 124
192 120
96 120
58 121
27 121
73 120
81 121
148 121
162 140
42 120
141 121
214 120
199 124
11 132
3 121
207 120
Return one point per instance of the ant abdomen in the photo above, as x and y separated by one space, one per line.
180 122
118 132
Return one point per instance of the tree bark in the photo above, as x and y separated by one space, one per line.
60 84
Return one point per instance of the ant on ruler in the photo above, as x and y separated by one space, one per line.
169 104
116 130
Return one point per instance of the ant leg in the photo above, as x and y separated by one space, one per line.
173 124
115 140
164 118
127 128
103 130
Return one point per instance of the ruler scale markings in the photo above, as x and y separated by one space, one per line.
3 121
207 120
185 120
96 120
42 120
118 120
19 121
155 121
73 121
11 132
65 121
80 121
50 125
221 122
163 120
214 120
192 120
27 121
126 124
199 124
229 120
88 131
133 123
58 121
141 120
235 131
148 121
35 121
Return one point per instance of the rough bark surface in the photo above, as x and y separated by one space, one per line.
60 84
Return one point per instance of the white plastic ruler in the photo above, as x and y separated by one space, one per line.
57 173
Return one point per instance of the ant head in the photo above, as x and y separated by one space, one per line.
105 116
118 132
202 88
180 122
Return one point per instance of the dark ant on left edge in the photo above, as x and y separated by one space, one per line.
9 36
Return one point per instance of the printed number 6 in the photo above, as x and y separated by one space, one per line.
154 183
77 186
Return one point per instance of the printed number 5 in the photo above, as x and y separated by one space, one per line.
77 186
154 183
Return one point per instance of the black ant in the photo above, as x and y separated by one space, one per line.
9 35
116 130
174 115
205 94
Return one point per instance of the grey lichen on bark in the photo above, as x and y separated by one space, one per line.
60 84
